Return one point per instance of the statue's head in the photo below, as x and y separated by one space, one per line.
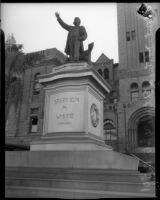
77 21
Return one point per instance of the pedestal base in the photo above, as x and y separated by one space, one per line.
69 142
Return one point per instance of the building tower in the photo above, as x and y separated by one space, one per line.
136 39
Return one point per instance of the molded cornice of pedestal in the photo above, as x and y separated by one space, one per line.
74 70
71 66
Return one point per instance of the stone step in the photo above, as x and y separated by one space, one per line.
77 174
38 192
93 170
81 184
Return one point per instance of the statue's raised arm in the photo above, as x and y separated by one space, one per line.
57 14
61 22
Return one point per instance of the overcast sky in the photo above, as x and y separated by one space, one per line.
35 26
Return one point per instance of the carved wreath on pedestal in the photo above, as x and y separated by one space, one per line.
94 115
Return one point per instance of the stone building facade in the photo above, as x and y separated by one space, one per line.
25 122
136 105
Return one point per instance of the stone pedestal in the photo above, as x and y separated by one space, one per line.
73 112
73 118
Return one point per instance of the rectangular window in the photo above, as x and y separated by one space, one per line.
33 124
146 56
133 35
128 36
141 58
33 128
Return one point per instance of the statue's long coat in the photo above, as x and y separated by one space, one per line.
69 28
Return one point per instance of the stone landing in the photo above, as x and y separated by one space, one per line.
98 159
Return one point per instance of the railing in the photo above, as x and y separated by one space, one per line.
152 175
128 152
153 169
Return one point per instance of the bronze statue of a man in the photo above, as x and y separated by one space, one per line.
77 34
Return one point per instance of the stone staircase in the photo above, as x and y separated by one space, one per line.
77 183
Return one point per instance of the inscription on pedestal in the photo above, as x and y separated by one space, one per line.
66 112
62 117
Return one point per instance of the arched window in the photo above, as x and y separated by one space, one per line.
134 91
106 74
100 72
36 85
146 89
109 131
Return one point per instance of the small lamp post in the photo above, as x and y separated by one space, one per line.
116 114
124 107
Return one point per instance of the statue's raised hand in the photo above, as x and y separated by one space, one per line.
57 14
